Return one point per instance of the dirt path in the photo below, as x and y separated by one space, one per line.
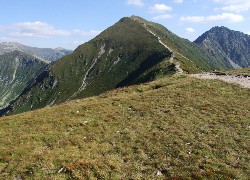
244 81
177 64
177 67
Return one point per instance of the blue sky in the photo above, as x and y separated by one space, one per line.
68 23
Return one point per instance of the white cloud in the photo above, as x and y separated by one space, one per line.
189 30
35 29
194 19
160 8
1 28
77 43
135 2
163 16
41 30
85 33
224 17
231 1
9 39
234 5
237 8
178 1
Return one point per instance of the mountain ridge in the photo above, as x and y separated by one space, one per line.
192 56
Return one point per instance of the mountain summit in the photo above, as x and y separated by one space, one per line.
233 45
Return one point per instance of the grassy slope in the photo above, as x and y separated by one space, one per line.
182 126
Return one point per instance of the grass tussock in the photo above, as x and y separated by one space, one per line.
172 128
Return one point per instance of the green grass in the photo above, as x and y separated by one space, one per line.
186 128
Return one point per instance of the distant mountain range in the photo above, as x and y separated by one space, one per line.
16 70
19 64
131 51
45 54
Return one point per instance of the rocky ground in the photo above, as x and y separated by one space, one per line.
235 79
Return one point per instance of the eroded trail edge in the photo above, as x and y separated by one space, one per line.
244 81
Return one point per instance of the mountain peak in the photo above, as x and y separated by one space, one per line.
234 45
220 27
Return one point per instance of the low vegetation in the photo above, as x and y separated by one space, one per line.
173 128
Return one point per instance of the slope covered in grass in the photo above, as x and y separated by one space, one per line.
178 127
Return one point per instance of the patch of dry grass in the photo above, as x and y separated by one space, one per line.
178 127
